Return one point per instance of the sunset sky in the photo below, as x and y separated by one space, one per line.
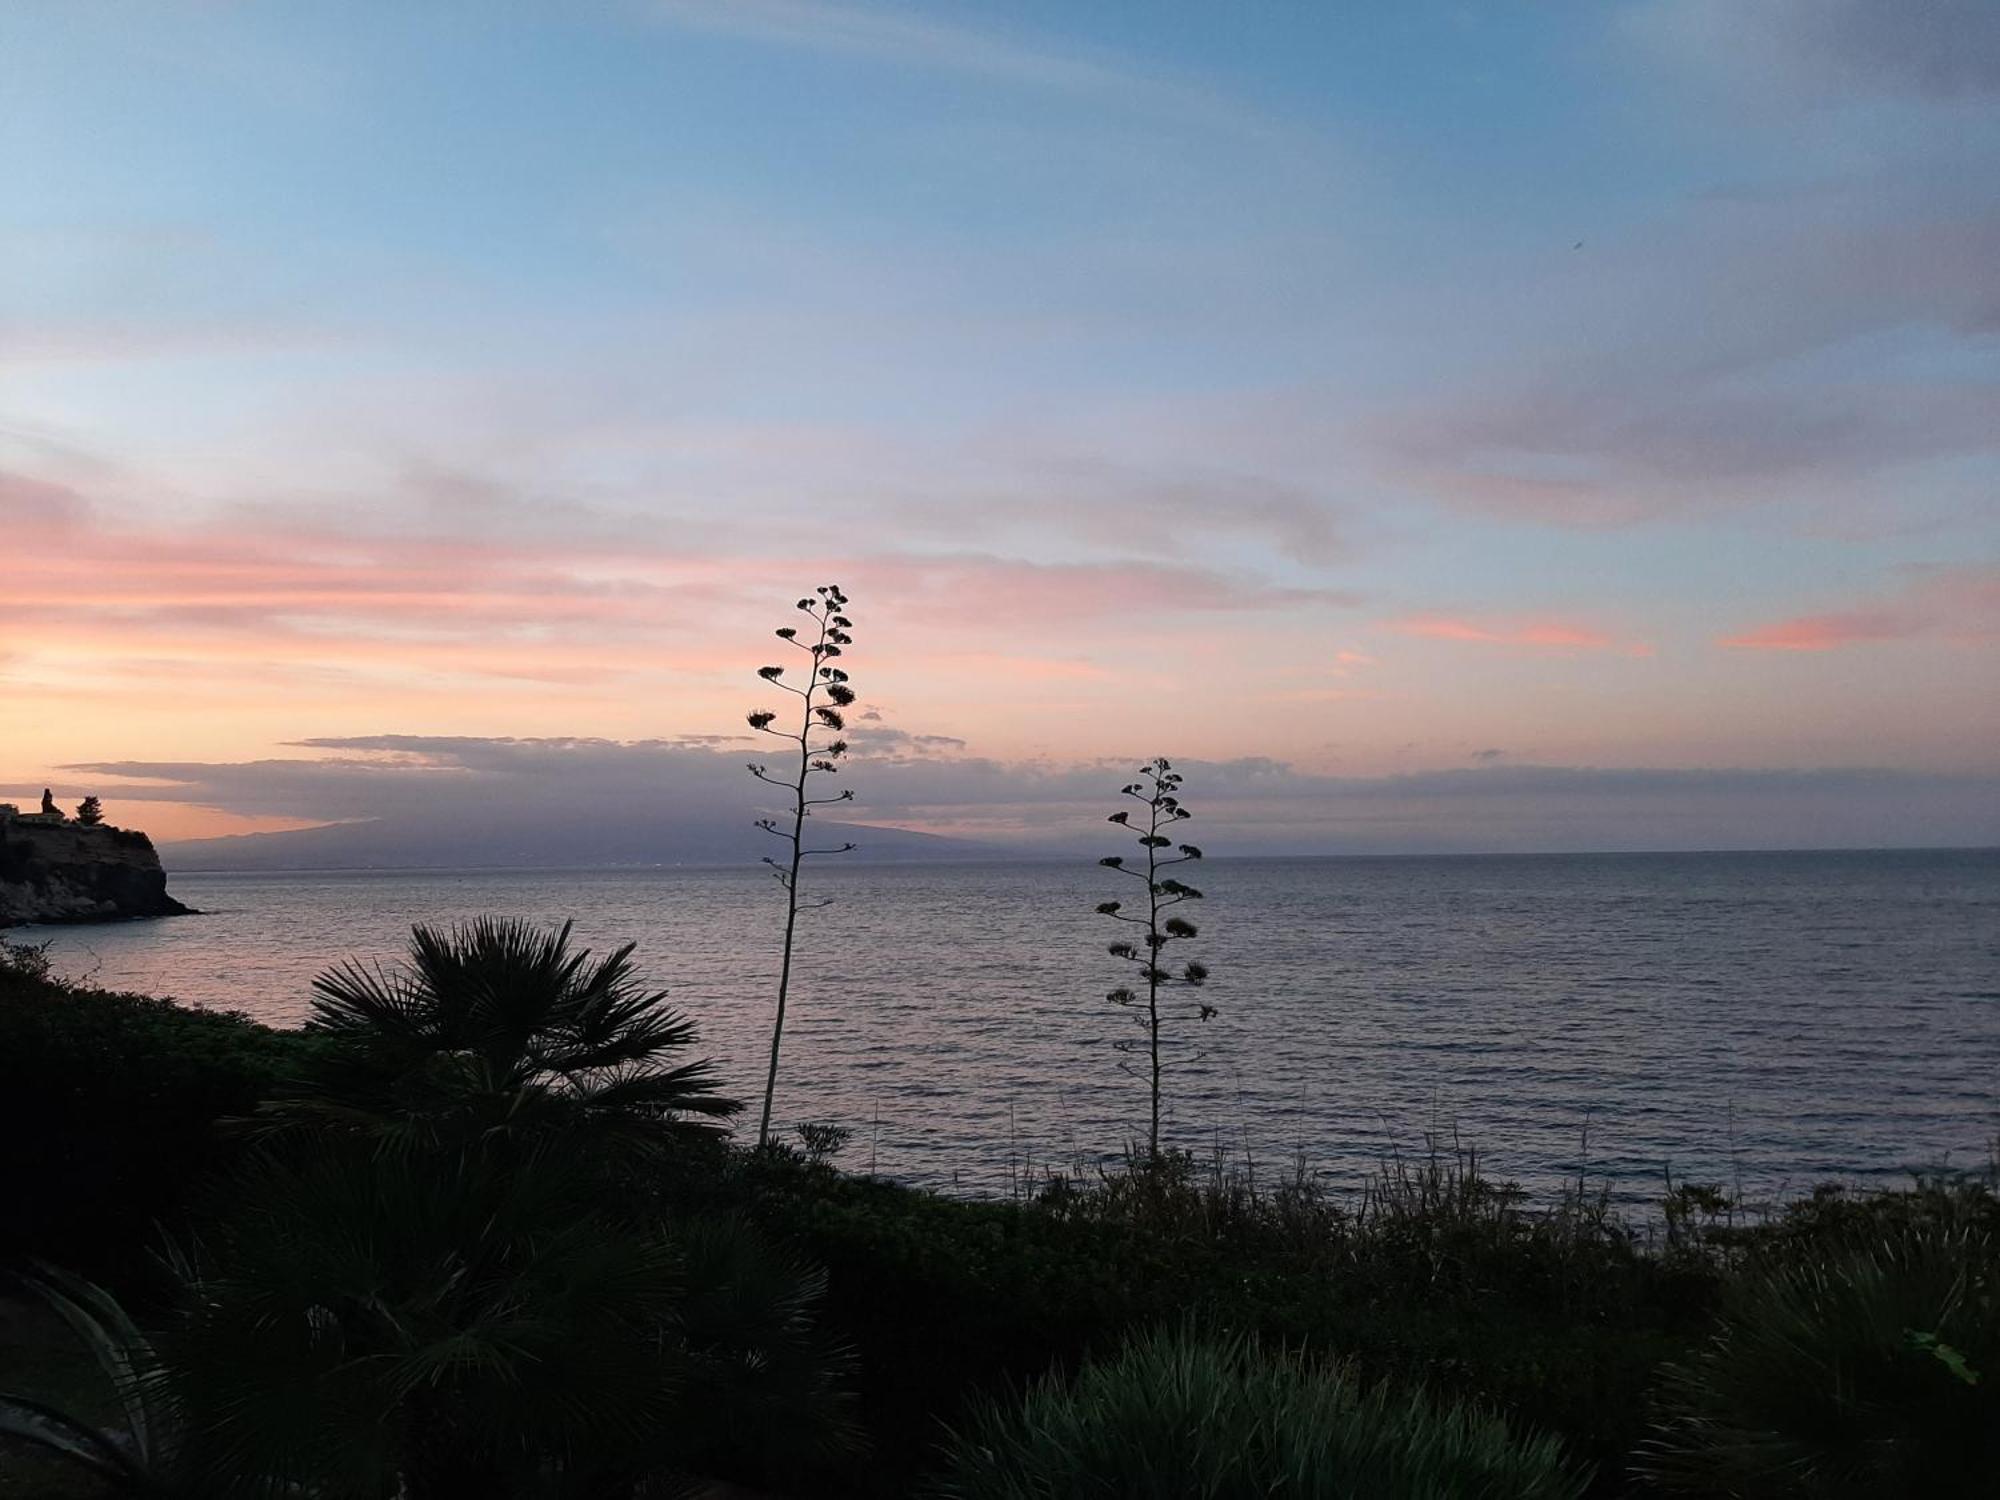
1444 426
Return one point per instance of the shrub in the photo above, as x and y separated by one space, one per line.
463 1323
944 1299
1554 1313
1838 1218
1217 1417
107 1104
1549 1321
23 962
1870 1369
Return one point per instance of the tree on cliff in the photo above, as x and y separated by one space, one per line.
90 812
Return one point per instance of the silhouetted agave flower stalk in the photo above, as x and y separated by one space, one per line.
1158 790
817 736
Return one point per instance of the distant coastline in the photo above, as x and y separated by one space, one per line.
1003 855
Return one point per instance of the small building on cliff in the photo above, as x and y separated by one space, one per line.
56 869
50 816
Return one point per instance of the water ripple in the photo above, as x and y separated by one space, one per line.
1763 1019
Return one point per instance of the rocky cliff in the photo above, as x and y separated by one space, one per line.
69 873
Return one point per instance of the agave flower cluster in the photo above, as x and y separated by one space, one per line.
1158 790
818 734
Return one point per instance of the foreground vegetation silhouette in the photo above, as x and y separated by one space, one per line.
497 1034
1852 1374
1220 1417
1158 793
819 732
432 1270
477 1230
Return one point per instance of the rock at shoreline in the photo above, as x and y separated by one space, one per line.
73 872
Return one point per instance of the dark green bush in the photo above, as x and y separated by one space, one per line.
1218 1419
1558 1327
483 1322
1837 1218
943 1299
1559 1318
1871 1368
107 1108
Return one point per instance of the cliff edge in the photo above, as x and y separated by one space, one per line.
73 872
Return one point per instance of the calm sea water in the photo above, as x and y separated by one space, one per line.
1769 1020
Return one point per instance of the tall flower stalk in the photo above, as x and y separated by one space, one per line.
816 734
1158 791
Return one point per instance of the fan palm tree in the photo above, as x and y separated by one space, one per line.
498 1029
423 1290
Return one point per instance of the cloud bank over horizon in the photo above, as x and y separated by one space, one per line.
438 799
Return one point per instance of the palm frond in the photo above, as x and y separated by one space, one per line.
120 1349
357 999
688 1089
494 1027
40 1425
136 1455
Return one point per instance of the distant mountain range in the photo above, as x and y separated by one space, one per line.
545 842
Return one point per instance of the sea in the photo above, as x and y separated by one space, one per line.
1764 1021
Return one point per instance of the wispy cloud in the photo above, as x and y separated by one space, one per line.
886 35
1034 591
1533 634
1961 604
28 344
1939 49
907 38
467 596
1162 510
1709 366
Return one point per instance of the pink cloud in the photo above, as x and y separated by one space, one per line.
1960 604
1025 669
27 502
1543 634
1824 632
967 583
260 586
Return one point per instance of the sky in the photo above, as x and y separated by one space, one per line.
1435 425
